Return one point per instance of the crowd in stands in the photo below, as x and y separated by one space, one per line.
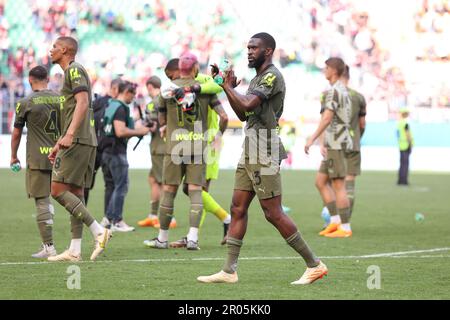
432 25
162 29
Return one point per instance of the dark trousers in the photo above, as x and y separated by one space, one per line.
107 178
117 167
404 167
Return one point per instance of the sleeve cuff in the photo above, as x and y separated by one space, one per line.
18 125
259 94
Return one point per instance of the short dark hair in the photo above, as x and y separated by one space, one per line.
39 73
337 64
155 81
116 82
126 85
172 65
267 39
71 43
346 74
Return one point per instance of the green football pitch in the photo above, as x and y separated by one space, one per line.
411 259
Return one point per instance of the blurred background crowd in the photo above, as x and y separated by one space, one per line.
402 63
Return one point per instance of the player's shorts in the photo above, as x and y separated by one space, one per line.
38 183
263 179
212 167
157 167
75 165
335 165
353 159
193 173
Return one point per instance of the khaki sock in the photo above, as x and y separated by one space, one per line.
44 219
298 244
332 208
166 210
154 205
234 248
76 225
344 213
195 213
350 187
75 207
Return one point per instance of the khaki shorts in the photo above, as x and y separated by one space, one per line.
193 173
263 179
75 165
38 183
157 167
335 165
353 159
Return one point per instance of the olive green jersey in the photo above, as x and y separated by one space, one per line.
77 80
358 111
157 144
186 127
337 134
40 113
262 130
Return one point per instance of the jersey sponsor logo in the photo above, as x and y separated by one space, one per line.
45 150
191 136
268 79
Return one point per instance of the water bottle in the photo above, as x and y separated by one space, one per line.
419 217
15 167
224 67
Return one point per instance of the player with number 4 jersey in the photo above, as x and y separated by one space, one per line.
40 113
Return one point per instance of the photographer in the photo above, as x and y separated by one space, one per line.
119 127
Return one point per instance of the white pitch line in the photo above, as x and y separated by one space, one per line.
399 254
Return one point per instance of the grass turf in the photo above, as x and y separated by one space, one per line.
383 222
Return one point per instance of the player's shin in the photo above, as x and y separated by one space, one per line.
195 214
165 214
301 247
234 249
44 219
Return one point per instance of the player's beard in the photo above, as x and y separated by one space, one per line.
258 62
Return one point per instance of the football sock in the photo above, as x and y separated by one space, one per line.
96 228
163 235
154 206
298 244
234 248
75 207
195 213
44 219
166 210
75 246
76 225
344 213
202 220
331 206
346 227
350 187
212 206
193 234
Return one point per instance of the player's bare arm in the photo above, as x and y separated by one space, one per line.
121 130
325 121
15 142
79 114
362 125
